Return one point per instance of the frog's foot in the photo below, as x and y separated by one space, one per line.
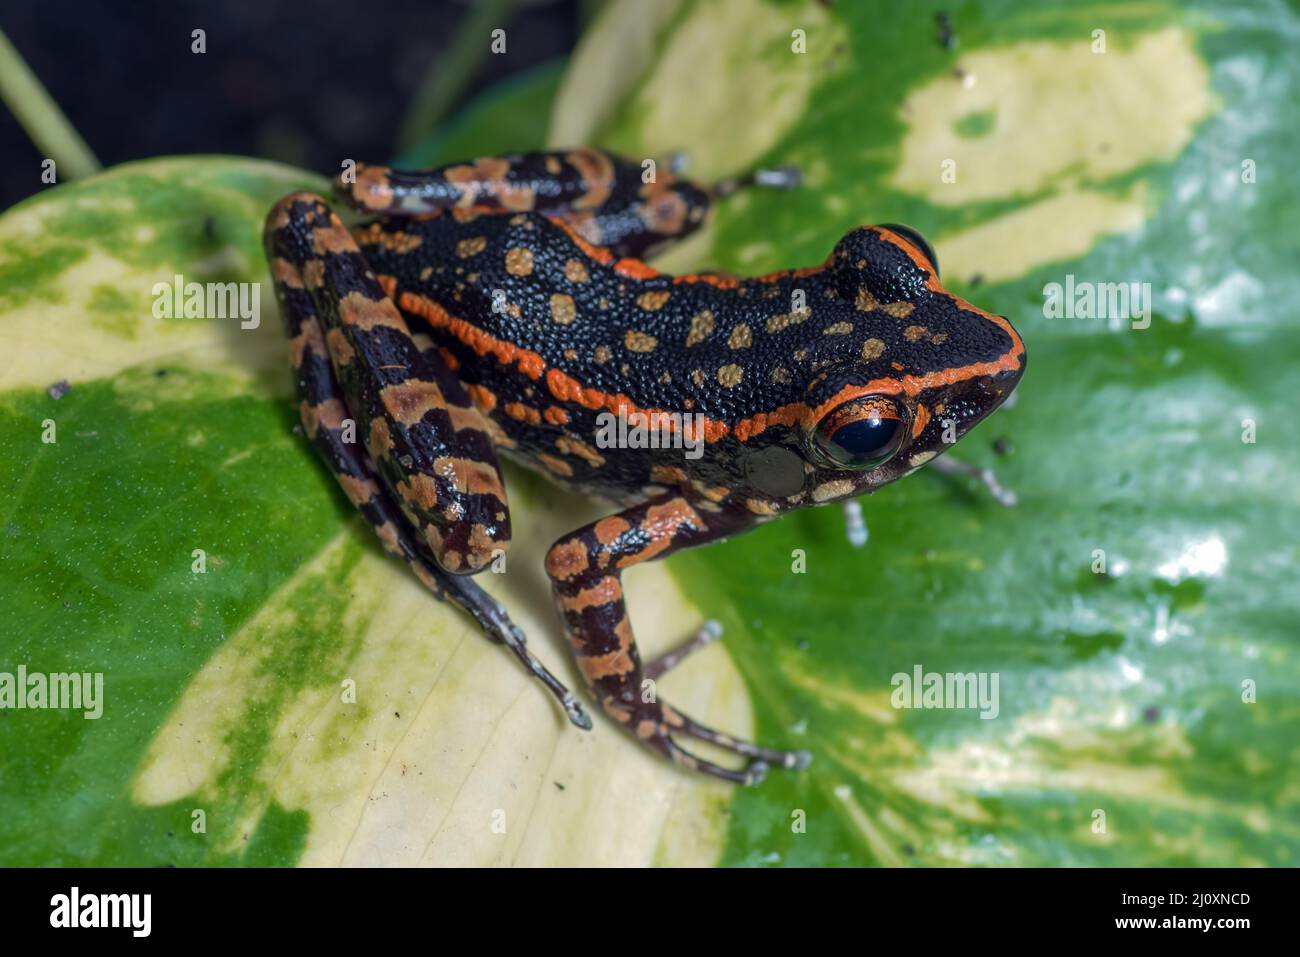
855 525
781 177
673 722
947 465
659 725
708 633
496 624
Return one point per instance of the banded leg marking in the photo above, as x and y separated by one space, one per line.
322 409
585 568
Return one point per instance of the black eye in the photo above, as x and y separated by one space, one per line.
917 240
862 433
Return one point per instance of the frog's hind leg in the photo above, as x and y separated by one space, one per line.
325 421
616 202
707 634
432 450
586 568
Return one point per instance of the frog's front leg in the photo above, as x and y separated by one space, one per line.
586 568
947 465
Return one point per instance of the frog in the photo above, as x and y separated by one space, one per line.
504 307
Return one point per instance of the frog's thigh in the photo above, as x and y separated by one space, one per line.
431 448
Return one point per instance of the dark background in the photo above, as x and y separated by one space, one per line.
307 83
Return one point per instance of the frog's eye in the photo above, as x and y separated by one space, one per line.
862 433
917 240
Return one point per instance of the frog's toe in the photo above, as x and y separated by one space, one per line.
752 774
705 635
680 724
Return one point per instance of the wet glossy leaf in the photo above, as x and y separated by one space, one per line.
1164 160
275 689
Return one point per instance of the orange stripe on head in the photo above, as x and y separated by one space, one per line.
1008 361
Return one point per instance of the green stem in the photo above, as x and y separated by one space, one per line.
447 80
41 117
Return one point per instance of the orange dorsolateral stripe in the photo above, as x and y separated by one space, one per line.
530 363
630 268
636 269
599 253
1009 360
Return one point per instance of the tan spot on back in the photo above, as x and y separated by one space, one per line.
787 319
575 270
729 376
471 247
563 310
915 333
701 327
838 329
741 337
602 355
781 375
639 341
650 301
873 349
519 261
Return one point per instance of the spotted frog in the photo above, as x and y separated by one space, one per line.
503 306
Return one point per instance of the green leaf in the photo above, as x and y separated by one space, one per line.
226 734
511 116
1119 694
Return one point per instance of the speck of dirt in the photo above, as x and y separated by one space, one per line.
59 389
943 31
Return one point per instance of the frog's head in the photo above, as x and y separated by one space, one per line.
921 369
